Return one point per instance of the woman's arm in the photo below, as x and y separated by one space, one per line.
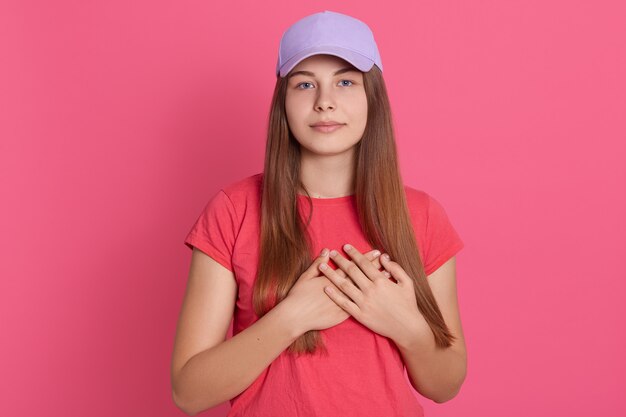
207 369
438 373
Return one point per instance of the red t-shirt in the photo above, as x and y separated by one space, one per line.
363 374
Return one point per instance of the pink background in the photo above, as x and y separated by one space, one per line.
118 120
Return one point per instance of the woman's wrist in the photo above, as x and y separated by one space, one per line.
287 314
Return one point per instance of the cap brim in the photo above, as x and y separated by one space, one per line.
361 62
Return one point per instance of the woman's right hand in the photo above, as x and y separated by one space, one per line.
312 308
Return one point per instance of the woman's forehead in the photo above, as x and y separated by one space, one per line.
322 61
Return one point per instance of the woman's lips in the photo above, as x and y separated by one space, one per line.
326 129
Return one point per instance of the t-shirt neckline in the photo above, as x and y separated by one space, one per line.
328 201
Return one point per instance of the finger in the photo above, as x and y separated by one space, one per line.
372 255
312 270
342 301
396 271
388 275
353 270
365 266
345 285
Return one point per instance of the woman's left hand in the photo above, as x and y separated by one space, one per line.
367 294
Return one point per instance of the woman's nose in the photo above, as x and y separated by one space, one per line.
324 99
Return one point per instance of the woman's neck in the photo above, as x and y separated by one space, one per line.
327 177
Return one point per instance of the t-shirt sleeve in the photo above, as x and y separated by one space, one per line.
214 232
442 240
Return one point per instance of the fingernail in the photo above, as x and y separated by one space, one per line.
386 257
376 253
323 266
347 246
333 253
324 252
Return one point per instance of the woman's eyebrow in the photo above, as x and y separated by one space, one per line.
310 74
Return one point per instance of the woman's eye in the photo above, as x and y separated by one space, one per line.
298 85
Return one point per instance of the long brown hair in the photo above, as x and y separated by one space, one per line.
285 245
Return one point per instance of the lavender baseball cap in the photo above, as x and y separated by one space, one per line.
330 33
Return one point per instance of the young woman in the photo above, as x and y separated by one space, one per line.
323 324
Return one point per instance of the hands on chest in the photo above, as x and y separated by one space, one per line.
382 300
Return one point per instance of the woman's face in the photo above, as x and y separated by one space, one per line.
328 89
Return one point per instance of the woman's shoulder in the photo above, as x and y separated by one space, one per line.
416 198
423 205
244 188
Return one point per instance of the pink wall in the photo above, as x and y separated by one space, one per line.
119 119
